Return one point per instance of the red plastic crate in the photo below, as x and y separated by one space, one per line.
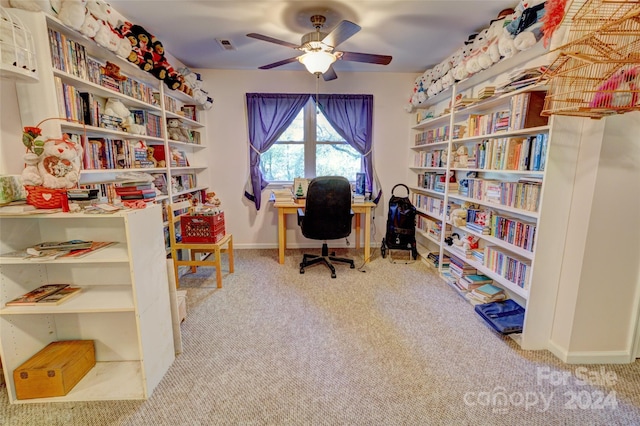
202 228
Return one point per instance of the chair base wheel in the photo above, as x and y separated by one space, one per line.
333 275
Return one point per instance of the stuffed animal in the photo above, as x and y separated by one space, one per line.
470 242
527 28
60 163
506 45
620 90
176 131
130 126
30 173
46 6
115 108
459 217
113 71
150 156
72 13
461 158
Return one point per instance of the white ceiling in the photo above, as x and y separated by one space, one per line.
417 33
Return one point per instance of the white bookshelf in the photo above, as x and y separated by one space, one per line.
124 305
538 294
39 101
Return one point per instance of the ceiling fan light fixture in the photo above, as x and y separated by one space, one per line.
317 62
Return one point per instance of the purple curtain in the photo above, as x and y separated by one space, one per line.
352 117
268 115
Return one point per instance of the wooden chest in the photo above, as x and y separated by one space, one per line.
55 370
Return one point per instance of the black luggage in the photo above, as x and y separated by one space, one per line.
401 225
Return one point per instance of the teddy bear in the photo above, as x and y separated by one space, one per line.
112 70
60 163
150 156
176 131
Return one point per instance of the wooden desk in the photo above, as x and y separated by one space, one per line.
292 208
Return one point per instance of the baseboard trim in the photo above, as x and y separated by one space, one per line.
591 357
310 245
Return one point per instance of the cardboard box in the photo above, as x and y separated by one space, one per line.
55 370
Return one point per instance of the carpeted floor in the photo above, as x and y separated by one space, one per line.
391 345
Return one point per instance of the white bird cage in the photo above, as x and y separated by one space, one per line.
17 52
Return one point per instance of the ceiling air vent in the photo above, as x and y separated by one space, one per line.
225 44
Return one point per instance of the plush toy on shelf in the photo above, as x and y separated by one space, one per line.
115 108
459 217
130 126
176 131
59 164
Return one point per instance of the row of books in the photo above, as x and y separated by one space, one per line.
517 153
70 56
523 195
435 182
48 294
486 124
507 265
431 227
433 259
433 158
427 203
103 153
440 134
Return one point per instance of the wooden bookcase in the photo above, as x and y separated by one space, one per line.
435 201
123 306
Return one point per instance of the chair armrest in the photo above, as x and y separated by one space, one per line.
352 213
300 216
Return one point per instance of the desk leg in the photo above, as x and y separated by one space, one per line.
358 224
282 238
367 235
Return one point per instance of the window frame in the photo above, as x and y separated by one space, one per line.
310 144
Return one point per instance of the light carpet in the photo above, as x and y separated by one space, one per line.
390 344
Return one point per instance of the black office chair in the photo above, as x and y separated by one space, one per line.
327 216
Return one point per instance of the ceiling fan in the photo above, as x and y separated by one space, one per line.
318 48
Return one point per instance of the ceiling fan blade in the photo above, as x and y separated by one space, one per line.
330 74
366 57
340 33
272 40
277 64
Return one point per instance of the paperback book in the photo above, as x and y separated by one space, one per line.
59 296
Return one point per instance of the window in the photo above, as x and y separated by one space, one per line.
310 147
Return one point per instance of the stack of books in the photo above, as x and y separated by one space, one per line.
486 92
282 195
459 268
485 294
358 199
136 191
472 281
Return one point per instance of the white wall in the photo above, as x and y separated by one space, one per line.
228 145
227 154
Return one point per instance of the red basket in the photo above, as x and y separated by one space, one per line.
202 228
45 198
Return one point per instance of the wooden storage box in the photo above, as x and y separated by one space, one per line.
55 370
202 228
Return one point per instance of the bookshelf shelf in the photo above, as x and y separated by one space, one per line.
129 322
500 135
430 145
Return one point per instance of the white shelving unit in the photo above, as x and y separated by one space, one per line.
39 101
550 218
123 306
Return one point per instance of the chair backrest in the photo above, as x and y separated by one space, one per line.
174 211
327 213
